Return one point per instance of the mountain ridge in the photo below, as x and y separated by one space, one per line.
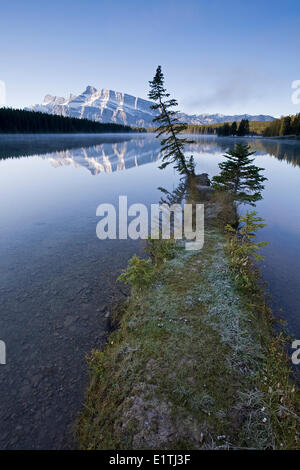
105 105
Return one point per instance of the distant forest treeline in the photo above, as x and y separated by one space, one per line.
288 125
240 128
20 121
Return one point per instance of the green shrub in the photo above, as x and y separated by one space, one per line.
139 273
243 248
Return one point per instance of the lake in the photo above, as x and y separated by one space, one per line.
57 279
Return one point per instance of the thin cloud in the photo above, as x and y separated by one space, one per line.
235 93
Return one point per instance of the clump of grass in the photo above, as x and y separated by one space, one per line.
281 395
161 250
139 273
95 362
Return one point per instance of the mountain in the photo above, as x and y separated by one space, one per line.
112 106
108 157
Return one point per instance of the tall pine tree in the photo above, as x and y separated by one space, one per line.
233 128
243 128
169 127
239 176
286 126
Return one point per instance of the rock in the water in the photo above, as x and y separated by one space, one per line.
202 180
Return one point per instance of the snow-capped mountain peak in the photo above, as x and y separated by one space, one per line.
112 106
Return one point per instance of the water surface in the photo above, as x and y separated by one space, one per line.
57 279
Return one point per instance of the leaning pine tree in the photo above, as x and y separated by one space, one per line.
239 176
169 127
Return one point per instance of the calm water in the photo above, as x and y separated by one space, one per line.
57 278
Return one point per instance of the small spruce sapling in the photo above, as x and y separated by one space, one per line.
239 176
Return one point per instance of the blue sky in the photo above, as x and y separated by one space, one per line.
218 56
